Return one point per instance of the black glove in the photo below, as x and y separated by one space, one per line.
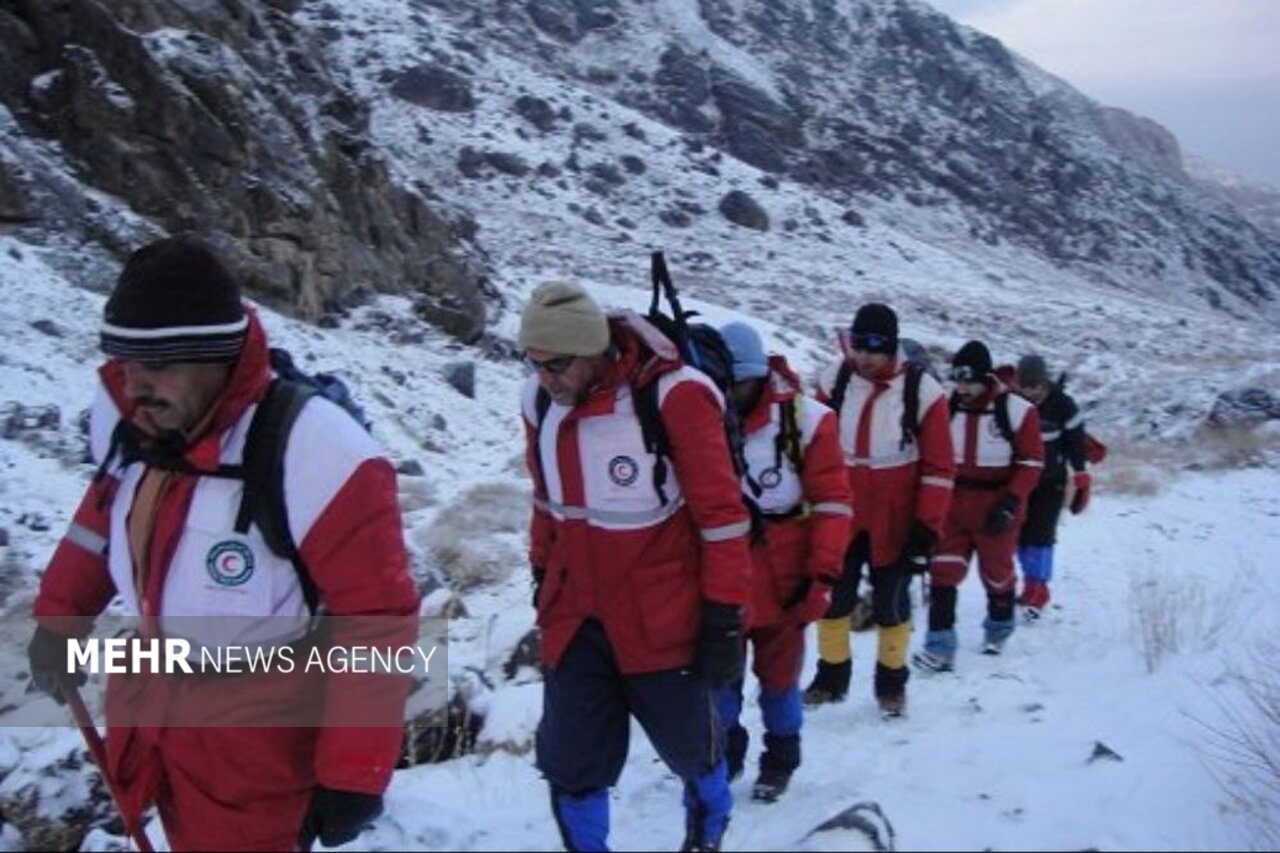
720 646
1002 514
919 548
539 575
336 817
47 657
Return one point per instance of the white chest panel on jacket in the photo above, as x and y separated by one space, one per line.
782 489
617 471
223 587
993 449
886 448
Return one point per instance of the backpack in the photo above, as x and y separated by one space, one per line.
262 501
1094 451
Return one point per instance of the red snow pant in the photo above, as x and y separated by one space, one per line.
966 533
777 655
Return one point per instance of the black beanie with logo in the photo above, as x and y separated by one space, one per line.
174 301
878 319
975 358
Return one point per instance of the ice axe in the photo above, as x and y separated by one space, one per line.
98 751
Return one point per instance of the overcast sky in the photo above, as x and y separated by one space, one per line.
1208 70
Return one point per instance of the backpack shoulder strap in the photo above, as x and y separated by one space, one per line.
1003 422
790 440
838 391
263 501
911 404
541 405
654 433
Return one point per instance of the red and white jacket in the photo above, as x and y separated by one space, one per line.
343 511
893 483
610 550
986 461
807 513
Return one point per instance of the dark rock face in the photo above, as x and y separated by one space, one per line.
741 209
435 88
220 118
885 98
1244 406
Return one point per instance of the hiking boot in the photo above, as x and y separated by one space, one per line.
993 647
930 662
692 844
892 707
770 784
830 683
1031 614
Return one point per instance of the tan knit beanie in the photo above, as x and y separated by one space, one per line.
562 318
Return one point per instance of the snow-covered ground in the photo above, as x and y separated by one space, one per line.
994 756
997 755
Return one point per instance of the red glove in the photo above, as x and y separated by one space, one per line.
1083 483
814 605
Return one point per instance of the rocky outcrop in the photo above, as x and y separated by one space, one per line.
221 118
889 99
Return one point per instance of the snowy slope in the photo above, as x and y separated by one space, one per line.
994 756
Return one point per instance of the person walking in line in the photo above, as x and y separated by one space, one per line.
999 455
1063 433
640 560
894 436
187 370
795 474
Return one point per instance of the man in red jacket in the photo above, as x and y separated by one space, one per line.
189 364
640 560
795 474
897 452
999 455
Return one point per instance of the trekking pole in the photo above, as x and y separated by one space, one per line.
98 751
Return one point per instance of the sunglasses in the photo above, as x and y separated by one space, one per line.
965 373
869 341
554 366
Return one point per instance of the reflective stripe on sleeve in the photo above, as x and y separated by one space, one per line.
94 543
725 532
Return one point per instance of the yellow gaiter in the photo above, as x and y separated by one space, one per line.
833 639
893 645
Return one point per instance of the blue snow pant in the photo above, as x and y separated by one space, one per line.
582 740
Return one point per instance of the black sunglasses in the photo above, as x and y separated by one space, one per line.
554 366
869 341
965 373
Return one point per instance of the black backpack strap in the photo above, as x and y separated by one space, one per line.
541 405
1002 417
654 434
262 501
838 391
789 440
911 405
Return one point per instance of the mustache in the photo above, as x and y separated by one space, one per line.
150 403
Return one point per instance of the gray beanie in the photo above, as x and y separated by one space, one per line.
1032 370
562 318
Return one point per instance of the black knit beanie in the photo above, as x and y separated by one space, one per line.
875 329
174 302
972 363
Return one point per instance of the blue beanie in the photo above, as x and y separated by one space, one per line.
749 359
